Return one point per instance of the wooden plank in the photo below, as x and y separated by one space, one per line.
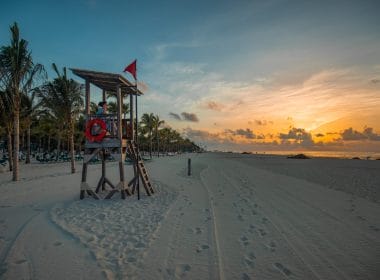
131 117
109 183
87 109
87 158
111 193
84 172
109 143
100 184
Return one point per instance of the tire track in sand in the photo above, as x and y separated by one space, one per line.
215 228
8 248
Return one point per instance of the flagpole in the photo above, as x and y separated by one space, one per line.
137 139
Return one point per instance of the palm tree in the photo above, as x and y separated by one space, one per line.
29 113
6 120
46 127
156 124
93 108
19 72
64 99
147 121
112 108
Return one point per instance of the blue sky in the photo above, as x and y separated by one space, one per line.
227 62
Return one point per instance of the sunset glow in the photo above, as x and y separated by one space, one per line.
231 75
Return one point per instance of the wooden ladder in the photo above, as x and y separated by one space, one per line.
141 167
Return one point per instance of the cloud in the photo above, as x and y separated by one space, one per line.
142 86
295 139
212 105
350 134
195 133
368 132
298 136
185 117
263 122
319 135
247 133
175 116
189 117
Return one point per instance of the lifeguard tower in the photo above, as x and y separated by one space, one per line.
112 135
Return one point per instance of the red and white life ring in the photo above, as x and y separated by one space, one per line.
98 137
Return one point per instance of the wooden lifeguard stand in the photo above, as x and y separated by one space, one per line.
119 138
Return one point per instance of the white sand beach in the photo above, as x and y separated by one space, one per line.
236 217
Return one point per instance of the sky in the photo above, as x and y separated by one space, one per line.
239 75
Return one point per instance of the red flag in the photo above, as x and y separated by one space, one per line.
131 68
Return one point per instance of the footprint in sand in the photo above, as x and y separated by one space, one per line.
262 232
181 270
240 218
272 246
264 220
280 267
250 263
201 248
170 271
131 260
249 260
245 276
198 230
244 240
57 243
20 261
374 228
251 228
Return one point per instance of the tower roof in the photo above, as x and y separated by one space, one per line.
107 81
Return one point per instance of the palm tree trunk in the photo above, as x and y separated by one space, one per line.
72 146
10 149
158 146
27 160
150 144
16 144
58 146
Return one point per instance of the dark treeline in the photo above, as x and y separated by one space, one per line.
38 115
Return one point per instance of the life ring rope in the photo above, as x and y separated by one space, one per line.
98 137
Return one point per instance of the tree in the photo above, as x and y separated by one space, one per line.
64 99
156 124
18 72
112 108
29 112
93 108
147 121
6 120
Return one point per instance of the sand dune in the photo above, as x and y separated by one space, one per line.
235 217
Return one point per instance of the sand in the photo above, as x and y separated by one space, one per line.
235 217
